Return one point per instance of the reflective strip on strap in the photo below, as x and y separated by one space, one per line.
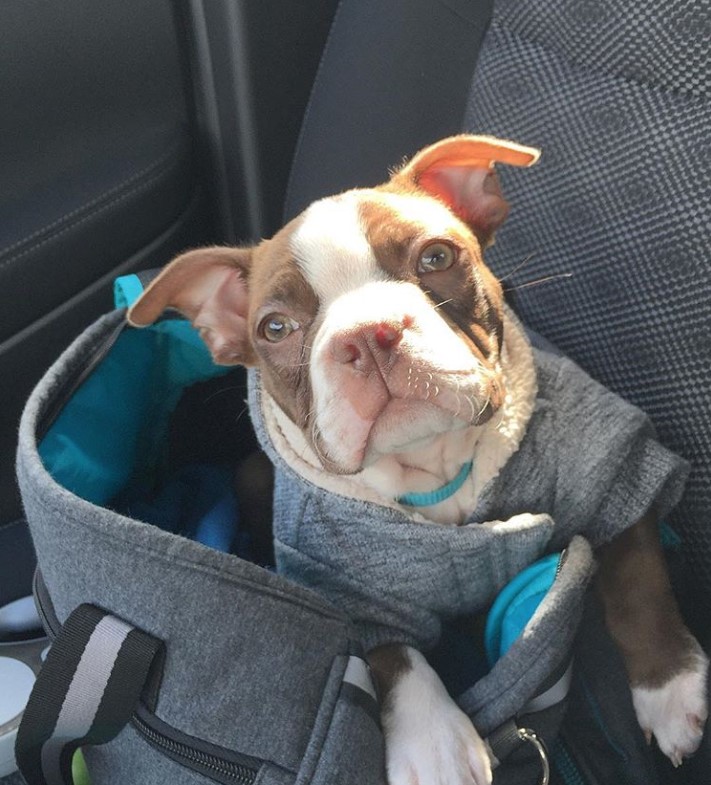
358 674
85 693
88 689
358 689
502 741
554 694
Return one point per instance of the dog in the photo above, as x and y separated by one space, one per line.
389 360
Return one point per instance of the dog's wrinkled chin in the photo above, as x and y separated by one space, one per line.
402 425
406 427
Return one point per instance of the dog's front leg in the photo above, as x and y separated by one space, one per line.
428 739
666 666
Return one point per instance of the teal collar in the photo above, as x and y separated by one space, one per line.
435 497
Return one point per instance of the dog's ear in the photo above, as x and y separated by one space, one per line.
210 286
460 172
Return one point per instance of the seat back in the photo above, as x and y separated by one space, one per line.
393 77
616 95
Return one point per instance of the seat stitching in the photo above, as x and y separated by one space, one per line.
88 205
116 200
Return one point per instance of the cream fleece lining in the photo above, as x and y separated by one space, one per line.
498 441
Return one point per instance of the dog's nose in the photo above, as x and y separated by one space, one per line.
359 345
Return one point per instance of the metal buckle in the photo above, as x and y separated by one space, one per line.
526 734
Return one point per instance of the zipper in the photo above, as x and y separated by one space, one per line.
95 357
220 765
561 562
217 763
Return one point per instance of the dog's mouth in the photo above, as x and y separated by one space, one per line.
401 412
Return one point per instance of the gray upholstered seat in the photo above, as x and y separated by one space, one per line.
616 95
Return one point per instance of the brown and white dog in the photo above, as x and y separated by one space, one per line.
340 311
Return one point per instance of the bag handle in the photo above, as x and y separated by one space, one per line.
509 736
96 671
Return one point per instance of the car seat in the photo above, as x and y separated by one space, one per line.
616 96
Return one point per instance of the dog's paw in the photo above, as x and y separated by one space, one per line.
676 712
447 752
428 739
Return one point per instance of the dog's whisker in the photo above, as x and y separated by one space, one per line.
525 261
459 404
471 405
538 281
214 395
444 302
459 395
487 401
314 441
298 365
245 410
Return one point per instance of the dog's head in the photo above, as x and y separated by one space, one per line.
372 317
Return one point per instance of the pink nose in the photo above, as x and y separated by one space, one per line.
367 340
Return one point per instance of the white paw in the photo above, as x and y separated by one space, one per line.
675 713
428 739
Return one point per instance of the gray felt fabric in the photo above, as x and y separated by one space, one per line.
588 465
130 760
255 662
615 93
249 655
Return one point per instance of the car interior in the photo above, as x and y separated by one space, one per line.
132 131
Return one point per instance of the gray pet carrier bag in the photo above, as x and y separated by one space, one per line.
175 662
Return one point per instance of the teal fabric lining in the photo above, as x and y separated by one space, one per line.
669 538
127 289
565 765
113 429
515 605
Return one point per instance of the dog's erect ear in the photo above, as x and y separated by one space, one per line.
210 287
459 171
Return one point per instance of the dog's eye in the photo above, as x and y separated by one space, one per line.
276 327
436 257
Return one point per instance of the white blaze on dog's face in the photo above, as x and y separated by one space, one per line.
372 317
405 342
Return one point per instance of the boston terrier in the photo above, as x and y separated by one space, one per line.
394 371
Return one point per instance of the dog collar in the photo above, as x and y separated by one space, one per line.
435 497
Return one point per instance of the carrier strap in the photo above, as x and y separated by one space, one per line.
509 736
89 686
